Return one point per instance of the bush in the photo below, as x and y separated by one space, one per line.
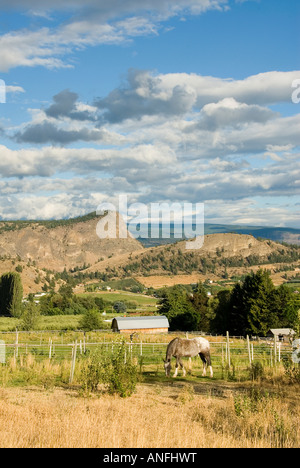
292 370
30 317
118 374
256 370
120 307
91 320
92 372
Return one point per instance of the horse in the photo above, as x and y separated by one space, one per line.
179 348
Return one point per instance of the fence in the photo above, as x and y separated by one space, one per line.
226 352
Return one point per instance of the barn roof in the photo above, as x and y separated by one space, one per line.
282 331
129 323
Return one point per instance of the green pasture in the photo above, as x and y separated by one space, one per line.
114 296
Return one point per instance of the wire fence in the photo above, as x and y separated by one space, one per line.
225 351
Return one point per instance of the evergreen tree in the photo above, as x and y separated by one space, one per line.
199 301
176 305
259 290
285 307
11 295
221 310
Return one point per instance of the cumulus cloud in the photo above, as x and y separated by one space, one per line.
52 160
171 137
230 113
65 105
47 132
178 93
105 22
145 95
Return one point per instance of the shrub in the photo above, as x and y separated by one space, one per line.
91 373
114 371
120 375
256 370
30 317
91 320
120 307
292 370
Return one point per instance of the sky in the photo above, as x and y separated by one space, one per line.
192 101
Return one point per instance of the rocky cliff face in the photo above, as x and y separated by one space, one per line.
62 246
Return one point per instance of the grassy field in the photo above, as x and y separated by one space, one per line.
114 296
70 322
243 406
39 407
177 414
56 322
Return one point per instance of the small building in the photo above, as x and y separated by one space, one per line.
150 324
282 334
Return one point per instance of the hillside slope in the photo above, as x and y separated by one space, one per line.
218 252
59 245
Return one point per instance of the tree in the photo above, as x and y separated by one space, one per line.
254 306
120 307
11 294
66 290
91 320
285 307
30 316
199 301
177 307
221 311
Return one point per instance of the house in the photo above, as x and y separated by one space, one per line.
150 324
282 334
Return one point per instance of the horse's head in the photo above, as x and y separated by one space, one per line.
167 365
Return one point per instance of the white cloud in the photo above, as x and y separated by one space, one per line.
105 22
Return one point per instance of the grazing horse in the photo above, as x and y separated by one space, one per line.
187 348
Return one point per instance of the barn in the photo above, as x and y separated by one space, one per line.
282 334
150 324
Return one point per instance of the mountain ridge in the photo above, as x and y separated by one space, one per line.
38 247
277 234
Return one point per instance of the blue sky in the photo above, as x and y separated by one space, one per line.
187 100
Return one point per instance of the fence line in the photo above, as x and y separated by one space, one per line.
222 351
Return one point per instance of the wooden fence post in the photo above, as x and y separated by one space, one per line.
228 349
249 350
74 350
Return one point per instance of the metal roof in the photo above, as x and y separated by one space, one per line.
282 331
153 321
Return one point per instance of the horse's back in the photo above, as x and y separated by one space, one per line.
187 347
202 343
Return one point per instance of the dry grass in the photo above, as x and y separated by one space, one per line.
191 413
174 416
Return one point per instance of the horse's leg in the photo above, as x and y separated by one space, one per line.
208 360
182 367
176 367
204 364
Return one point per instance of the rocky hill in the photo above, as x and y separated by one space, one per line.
56 245
219 251
38 248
